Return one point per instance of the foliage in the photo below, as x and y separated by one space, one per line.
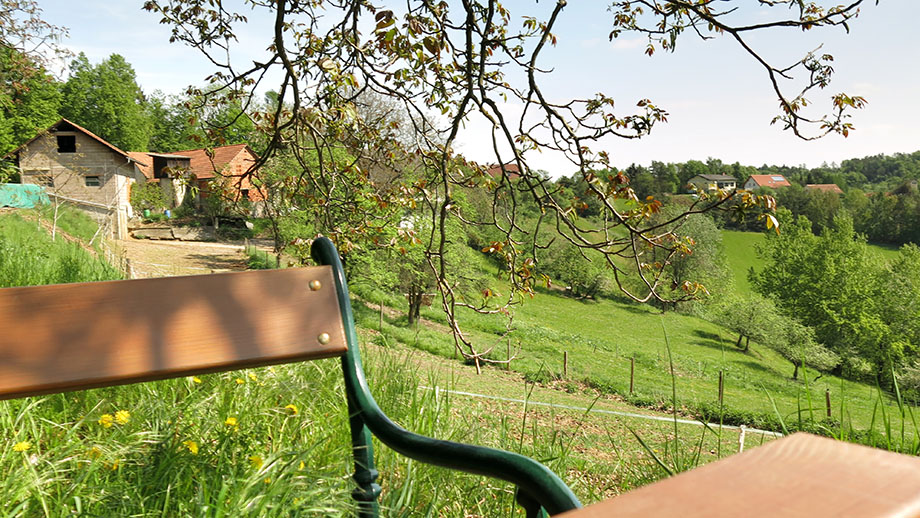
444 65
29 101
834 284
148 196
106 100
566 264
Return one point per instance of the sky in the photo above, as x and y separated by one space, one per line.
720 102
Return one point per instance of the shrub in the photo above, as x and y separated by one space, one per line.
148 196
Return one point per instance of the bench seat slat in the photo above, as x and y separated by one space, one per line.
76 336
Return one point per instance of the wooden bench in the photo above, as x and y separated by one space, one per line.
78 336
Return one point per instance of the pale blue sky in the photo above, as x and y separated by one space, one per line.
719 100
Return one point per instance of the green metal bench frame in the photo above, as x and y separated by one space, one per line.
146 354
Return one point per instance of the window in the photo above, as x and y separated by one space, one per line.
67 144
45 180
93 181
244 194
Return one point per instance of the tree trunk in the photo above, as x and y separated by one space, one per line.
747 343
795 373
738 343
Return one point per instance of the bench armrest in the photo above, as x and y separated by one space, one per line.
535 480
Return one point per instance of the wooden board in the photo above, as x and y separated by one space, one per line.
76 336
800 476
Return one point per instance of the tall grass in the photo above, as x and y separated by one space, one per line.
29 257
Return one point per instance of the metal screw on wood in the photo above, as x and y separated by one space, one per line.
315 285
323 338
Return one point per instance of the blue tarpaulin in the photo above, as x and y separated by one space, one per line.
22 195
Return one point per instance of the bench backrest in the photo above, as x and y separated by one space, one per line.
76 336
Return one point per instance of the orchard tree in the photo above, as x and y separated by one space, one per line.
29 101
449 63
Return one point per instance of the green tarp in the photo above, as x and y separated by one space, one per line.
22 195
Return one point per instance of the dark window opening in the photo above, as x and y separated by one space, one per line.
93 181
67 143
244 193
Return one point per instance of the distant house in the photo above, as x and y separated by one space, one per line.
773 181
711 182
76 166
227 163
825 187
511 169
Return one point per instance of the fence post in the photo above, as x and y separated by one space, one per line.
632 374
721 386
565 364
129 270
827 400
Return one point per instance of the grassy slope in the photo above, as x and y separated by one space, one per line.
172 452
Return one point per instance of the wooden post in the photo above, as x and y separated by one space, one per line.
380 322
827 400
632 374
508 354
278 260
721 386
129 271
565 364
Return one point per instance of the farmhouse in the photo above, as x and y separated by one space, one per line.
227 165
773 181
825 187
76 166
711 182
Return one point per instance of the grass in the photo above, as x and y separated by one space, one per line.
260 260
741 256
29 257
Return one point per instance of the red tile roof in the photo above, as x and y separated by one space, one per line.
826 187
204 165
511 169
143 162
770 180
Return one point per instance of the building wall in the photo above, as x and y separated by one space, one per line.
67 175
236 168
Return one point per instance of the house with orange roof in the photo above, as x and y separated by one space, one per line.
76 166
773 181
229 166
824 187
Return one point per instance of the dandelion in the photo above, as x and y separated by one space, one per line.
255 461
95 452
191 446
268 480
22 446
122 417
106 420
231 422
240 381
253 377
115 464
292 409
196 380
302 465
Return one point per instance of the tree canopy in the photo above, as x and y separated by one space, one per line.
446 63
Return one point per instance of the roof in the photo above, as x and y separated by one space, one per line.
715 177
143 162
204 164
511 169
770 180
61 125
826 187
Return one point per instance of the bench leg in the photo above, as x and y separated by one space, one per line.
365 473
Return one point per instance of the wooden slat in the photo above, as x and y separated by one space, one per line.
800 476
76 336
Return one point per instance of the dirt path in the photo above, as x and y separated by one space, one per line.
168 258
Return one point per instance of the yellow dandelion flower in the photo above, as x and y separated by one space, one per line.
122 417
196 379
255 461
240 381
95 452
253 377
106 420
115 464
231 421
22 446
191 446
292 409
268 480
302 465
